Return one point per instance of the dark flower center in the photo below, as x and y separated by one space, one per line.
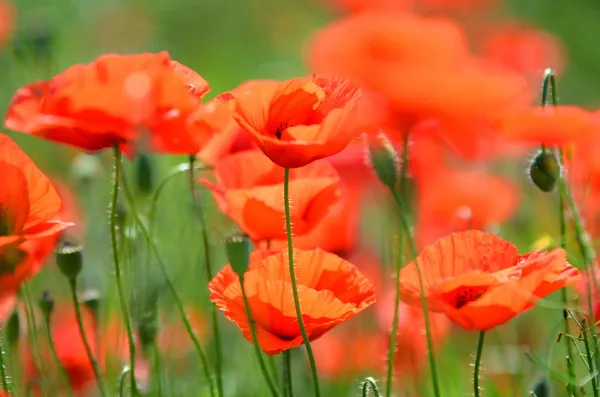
5 226
463 295
10 258
280 128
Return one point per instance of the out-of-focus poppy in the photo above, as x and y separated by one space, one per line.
126 100
348 353
249 189
28 201
448 5
7 16
373 5
525 50
108 342
300 120
453 200
480 281
331 291
551 125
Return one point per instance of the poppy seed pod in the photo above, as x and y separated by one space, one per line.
13 329
144 175
238 253
542 388
69 259
545 170
384 160
46 304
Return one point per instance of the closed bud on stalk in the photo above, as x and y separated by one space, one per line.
46 304
13 329
545 170
384 160
144 173
69 258
542 388
85 168
238 249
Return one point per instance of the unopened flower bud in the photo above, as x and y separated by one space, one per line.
46 304
545 170
69 258
238 253
384 160
85 168
144 174
542 388
13 329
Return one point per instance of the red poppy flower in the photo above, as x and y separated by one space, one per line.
124 100
7 17
550 125
249 189
331 291
525 50
480 281
27 199
300 120
453 200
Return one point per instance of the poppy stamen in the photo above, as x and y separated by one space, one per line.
5 229
463 295
282 126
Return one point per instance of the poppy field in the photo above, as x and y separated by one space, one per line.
336 198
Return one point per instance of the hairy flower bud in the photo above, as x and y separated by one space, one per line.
238 253
545 170
46 304
69 259
384 160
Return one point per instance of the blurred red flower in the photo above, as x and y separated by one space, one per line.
300 120
7 20
331 291
249 189
480 281
454 200
125 100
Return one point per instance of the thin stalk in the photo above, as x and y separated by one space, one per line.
287 374
156 369
424 306
32 329
3 375
257 350
478 363
590 361
209 275
393 334
86 343
61 368
288 228
117 265
172 289
370 382
121 383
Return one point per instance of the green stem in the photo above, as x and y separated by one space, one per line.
121 384
3 375
61 368
288 228
172 289
86 343
370 382
32 329
257 351
286 360
156 369
424 306
117 265
209 275
393 334
590 361
478 363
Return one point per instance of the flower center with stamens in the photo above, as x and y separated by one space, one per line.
463 295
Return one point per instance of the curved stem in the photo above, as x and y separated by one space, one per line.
478 364
121 384
157 369
286 360
590 360
32 329
288 228
117 265
209 275
257 349
86 343
61 368
172 289
370 382
424 306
